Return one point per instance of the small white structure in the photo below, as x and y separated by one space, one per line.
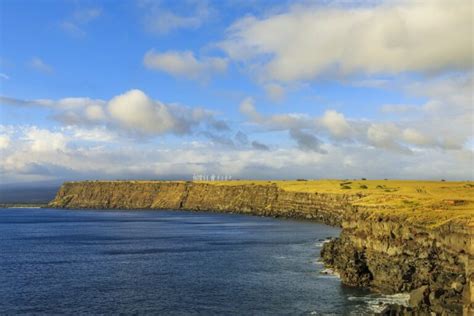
212 177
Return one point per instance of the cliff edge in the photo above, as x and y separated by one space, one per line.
397 236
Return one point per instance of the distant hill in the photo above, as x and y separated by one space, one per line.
27 193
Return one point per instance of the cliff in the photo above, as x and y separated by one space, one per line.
255 199
397 236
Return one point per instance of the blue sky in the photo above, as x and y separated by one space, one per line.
255 89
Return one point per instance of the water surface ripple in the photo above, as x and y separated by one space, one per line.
165 262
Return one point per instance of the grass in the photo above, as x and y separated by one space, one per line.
428 203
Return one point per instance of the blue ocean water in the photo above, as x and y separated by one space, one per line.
166 262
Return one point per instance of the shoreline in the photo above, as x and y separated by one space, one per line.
382 252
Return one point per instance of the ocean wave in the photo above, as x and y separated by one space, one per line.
330 272
320 243
376 303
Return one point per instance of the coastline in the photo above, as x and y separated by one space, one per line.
23 205
386 252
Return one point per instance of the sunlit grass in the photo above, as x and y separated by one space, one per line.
429 203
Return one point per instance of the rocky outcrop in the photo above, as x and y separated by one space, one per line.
434 265
384 253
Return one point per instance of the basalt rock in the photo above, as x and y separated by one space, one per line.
391 257
262 200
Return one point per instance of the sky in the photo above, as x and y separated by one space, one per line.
139 89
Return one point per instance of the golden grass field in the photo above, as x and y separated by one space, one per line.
431 203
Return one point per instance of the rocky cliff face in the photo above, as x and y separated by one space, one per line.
265 200
385 254
391 257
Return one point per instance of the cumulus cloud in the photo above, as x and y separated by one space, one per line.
388 37
135 110
39 65
184 64
413 136
336 123
132 113
4 141
43 140
444 121
385 135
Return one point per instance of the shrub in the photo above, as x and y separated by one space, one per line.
364 186
345 187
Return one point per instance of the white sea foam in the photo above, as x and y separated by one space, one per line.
330 273
319 244
376 303
23 207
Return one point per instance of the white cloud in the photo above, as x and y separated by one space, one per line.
385 136
443 121
39 65
95 134
135 110
132 113
43 140
273 122
247 108
4 141
336 123
413 136
184 64
95 113
160 20
389 38
4 76
66 157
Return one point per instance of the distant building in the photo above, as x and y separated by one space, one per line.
212 177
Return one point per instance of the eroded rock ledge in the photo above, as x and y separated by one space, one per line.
384 253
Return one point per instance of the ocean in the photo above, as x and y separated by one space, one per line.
169 263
